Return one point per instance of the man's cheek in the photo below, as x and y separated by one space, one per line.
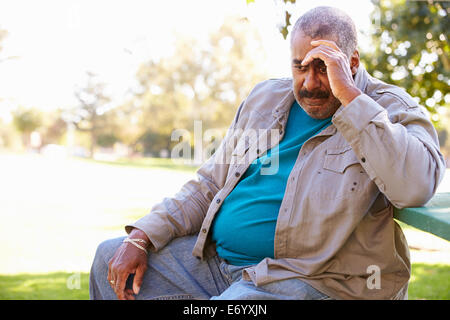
297 87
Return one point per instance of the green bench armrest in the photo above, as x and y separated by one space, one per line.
434 217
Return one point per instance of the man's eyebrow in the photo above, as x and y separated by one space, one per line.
296 61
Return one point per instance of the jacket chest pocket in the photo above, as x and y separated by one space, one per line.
341 175
339 159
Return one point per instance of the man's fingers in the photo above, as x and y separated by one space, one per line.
120 285
315 53
129 294
110 277
328 43
325 53
139 277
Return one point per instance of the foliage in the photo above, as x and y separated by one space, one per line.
3 35
106 140
87 116
27 120
122 122
9 137
411 50
49 125
200 81
207 80
152 142
53 127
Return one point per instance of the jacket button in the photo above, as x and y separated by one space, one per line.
204 230
218 200
363 159
237 174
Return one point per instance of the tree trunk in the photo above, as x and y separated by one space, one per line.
93 143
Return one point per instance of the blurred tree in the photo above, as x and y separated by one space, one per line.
411 50
200 81
151 143
106 140
123 123
93 103
27 121
54 128
3 35
9 137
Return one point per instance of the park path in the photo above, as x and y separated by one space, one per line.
55 212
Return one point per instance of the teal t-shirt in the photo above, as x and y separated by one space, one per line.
244 227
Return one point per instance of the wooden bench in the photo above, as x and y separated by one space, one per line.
434 217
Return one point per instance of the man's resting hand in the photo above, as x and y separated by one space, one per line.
127 260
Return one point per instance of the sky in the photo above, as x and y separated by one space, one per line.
54 43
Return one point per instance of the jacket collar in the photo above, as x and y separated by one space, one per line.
361 78
285 103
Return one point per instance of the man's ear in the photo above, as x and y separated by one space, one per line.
354 62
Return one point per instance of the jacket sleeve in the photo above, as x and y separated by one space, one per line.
396 144
183 213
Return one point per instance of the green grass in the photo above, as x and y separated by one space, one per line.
428 281
154 163
50 286
405 226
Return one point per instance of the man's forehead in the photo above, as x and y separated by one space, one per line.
301 43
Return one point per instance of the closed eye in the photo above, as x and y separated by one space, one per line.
323 69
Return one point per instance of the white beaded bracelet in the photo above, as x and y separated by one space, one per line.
134 242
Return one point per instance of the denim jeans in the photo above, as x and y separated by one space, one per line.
173 273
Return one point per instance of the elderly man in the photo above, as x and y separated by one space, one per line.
347 148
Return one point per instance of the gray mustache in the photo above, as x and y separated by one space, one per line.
316 94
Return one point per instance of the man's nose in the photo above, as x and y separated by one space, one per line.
311 81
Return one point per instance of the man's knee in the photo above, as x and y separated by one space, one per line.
105 250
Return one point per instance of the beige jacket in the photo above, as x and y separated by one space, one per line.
335 228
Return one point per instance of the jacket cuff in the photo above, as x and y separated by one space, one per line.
356 116
154 227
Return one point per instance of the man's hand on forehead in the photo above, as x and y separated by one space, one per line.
319 46
339 72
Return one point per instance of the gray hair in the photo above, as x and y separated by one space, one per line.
328 21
